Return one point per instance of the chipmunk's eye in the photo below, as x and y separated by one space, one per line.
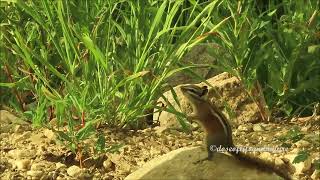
204 91
192 90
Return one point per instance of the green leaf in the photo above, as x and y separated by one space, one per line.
137 75
114 148
286 145
63 136
295 135
101 143
302 156
287 108
51 96
156 20
272 12
313 48
11 85
85 132
175 96
95 50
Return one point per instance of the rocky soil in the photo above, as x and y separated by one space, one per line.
30 153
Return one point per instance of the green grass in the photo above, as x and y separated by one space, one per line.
96 58
86 62
277 48
108 61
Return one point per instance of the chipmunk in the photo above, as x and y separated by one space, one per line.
217 128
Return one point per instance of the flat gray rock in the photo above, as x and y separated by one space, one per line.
179 164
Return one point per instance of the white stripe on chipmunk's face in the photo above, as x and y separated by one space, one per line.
194 93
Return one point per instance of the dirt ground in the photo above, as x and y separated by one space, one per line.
30 153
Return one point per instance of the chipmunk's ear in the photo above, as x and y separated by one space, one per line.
204 90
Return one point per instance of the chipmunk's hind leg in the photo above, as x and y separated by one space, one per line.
211 150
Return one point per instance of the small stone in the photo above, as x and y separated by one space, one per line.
53 175
169 137
21 154
316 174
7 117
147 130
236 132
302 144
18 129
84 175
60 178
33 173
245 128
107 164
22 164
73 171
38 166
195 126
268 127
97 175
6 128
195 133
174 132
258 128
49 134
305 129
59 165
294 151
199 142
279 134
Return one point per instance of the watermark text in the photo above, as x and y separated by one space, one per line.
247 149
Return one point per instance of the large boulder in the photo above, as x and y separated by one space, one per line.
180 164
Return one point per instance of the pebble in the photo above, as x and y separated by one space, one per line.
38 166
20 154
305 128
316 174
257 128
73 171
107 164
22 164
33 173
18 129
52 175
199 142
302 144
245 128
61 178
49 134
195 126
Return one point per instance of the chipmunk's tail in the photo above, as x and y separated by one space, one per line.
263 164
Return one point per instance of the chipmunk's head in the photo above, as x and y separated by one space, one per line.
195 94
